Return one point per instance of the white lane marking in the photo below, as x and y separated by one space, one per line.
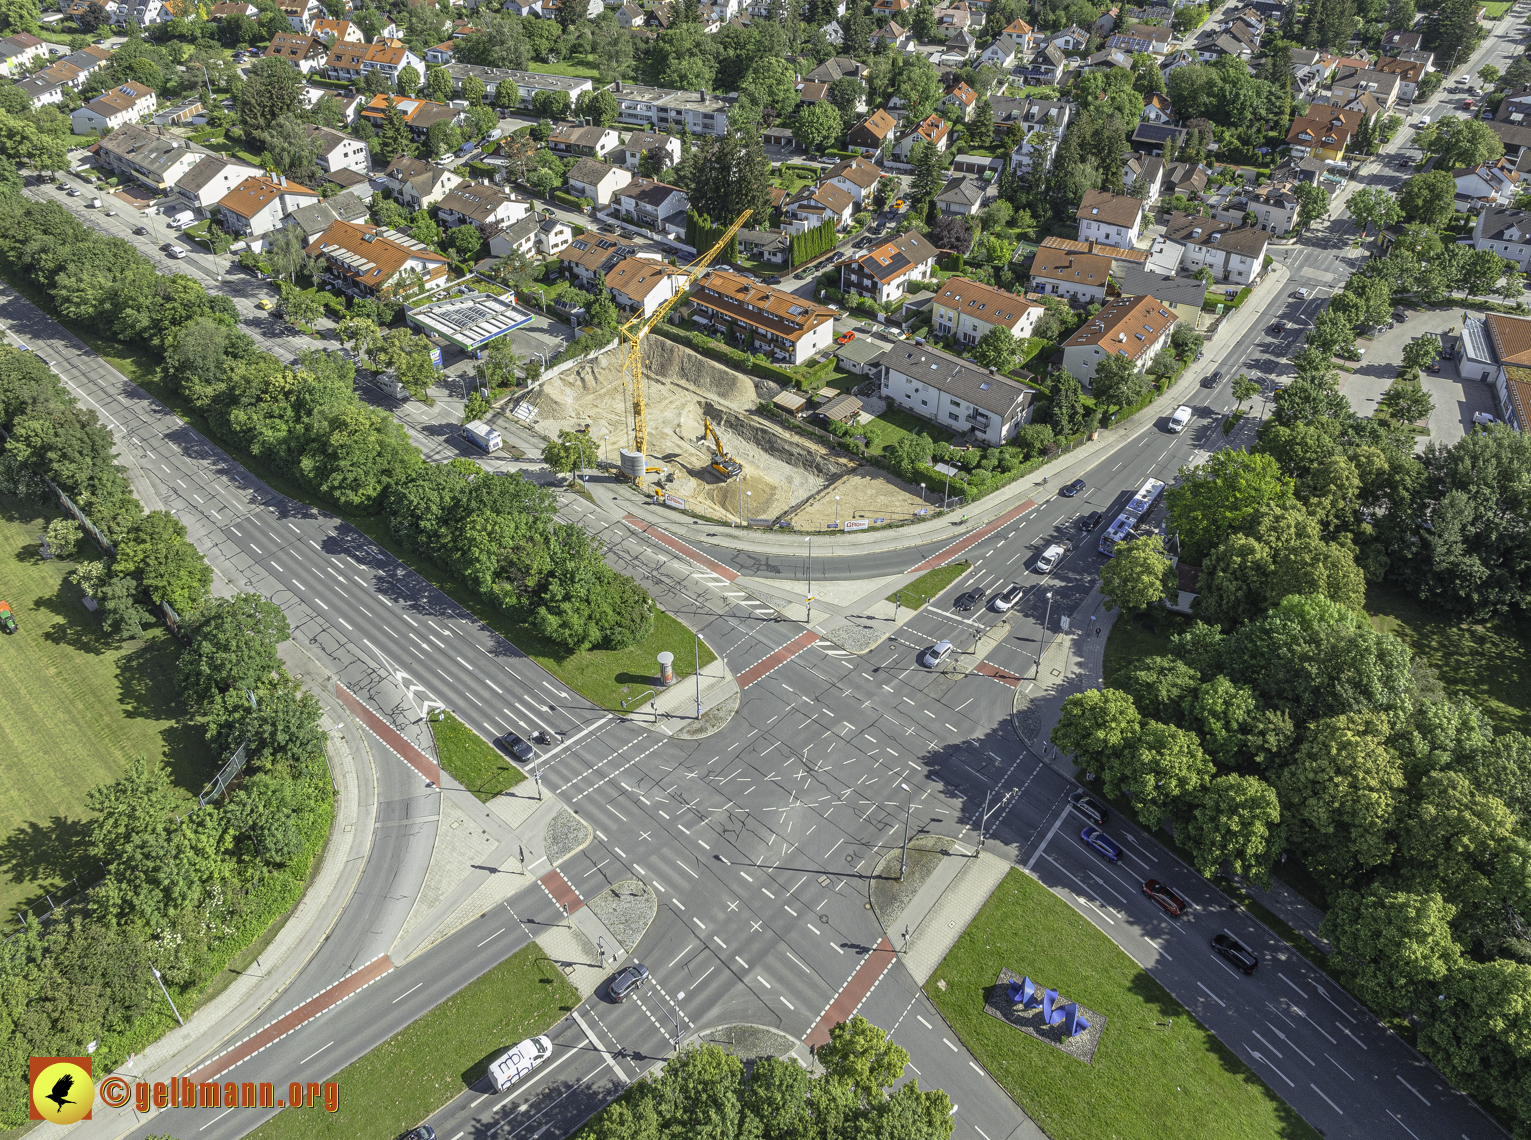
1213 996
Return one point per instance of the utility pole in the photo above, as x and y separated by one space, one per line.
1037 672
908 809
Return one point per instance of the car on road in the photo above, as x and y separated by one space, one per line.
1050 558
1231 950
1171 903
1215 377
863 242
1004 601
175 253
970 600
520 1061
424 1132
1103 843
1088 808
1302 294
1069 490
1089 522
74 191
625 982
937 654
141 231
513 745
1277 329
265 304
111 213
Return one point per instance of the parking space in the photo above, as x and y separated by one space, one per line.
1456 402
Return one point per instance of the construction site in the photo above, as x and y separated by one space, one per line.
785 476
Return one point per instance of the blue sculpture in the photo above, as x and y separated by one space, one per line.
1055 1011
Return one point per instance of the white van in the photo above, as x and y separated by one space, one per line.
519 1061
1049 558
1181 417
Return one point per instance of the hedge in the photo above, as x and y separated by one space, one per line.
584 346
566 198
743 361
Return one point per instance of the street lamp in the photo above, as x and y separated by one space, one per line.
166 992
922 492
1037 673
908 808
809 599
837 512
697 649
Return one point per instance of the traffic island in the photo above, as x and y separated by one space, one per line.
627 908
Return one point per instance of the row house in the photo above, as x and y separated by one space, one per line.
125 103
527 83
654 205
351 61
150 155
532 237
588 258
599 181
932 130
371 261
664 148
1115 219
417 184
966 310
19 52
1078 277
308 53
667 110
482 205
1234 253
640 285
762 319
208 182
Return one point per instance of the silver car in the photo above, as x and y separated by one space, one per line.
936 655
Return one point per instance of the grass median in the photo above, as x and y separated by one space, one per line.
928 585
472 760
423 1066
1157 1072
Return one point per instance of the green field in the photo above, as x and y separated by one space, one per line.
472 760
1130 641
1157 1071
1488 663
1496 10
883 431
419 1069
928 585
76 711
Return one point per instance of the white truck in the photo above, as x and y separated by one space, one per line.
520 1061
95 203
1181 417
480 434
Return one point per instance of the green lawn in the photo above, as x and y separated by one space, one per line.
1489 663
1496 10
1157 1072
884 431
419 1069
928 585
573 70
76 711
473 761
1129 641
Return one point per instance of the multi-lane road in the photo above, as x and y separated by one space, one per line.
759 840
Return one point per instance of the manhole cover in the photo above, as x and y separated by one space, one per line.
824 918
850 857
866 906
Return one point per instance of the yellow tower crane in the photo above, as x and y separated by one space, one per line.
639 327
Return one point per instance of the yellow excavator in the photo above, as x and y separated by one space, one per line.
634 463
722 462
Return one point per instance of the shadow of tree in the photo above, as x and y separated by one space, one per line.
50 854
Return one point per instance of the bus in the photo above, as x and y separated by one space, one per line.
1142 502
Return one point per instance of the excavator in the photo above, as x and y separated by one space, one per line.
634 463
722 462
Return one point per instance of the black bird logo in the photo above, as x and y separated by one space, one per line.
60 1093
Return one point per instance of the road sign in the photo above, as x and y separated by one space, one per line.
1065 623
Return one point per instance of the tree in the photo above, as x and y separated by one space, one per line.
1312 201
1392 948
122 618
1421 352
818 126
465 241
1460 142
1373 206
20 16
1229 493
552 105
497 367
1406 403
571 451
952 232
599 108
848 94
395 138
1067 413
1428 197
1163 767
169 568
860 1055
233 645
1117 383
300 308
908 455
271 91
1095 726
774 83
406 355
997 348
1244 388
1340 795
927 181
1233 824
1138 575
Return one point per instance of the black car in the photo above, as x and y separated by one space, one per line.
970 600
1089 522
141 231
773 280
513 745
1088 808
424 1132
1231 950
1400 316
625 982
1278 328
1070 490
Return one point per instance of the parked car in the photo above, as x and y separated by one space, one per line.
1103 843
1302 294
1235 952
1088 808
1484 418
626 981
424 1132
937 654
1172 904
1069 490
1435 366
1004 601
513 745
774 279
1400 316
1089 522
1049 558
970 600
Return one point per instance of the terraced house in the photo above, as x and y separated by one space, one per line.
761 319
369 261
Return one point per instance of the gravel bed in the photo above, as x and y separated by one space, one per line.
565 835
712 720
856 638
749 1041
626 908
1081 1047
889 896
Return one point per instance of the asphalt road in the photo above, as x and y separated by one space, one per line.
760 840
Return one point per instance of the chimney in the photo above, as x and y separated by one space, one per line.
617 86
703 94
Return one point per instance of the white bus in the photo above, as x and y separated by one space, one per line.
1143 502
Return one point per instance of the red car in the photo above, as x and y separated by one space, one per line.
845 338
1157 892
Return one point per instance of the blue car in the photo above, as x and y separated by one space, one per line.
1103 843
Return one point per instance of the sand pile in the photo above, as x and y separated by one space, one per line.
681 387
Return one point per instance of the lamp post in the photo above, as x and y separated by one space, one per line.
697 649
946 490
809 599
606 447
908 809
1037 672
837 512
747 496
166 992
922 492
